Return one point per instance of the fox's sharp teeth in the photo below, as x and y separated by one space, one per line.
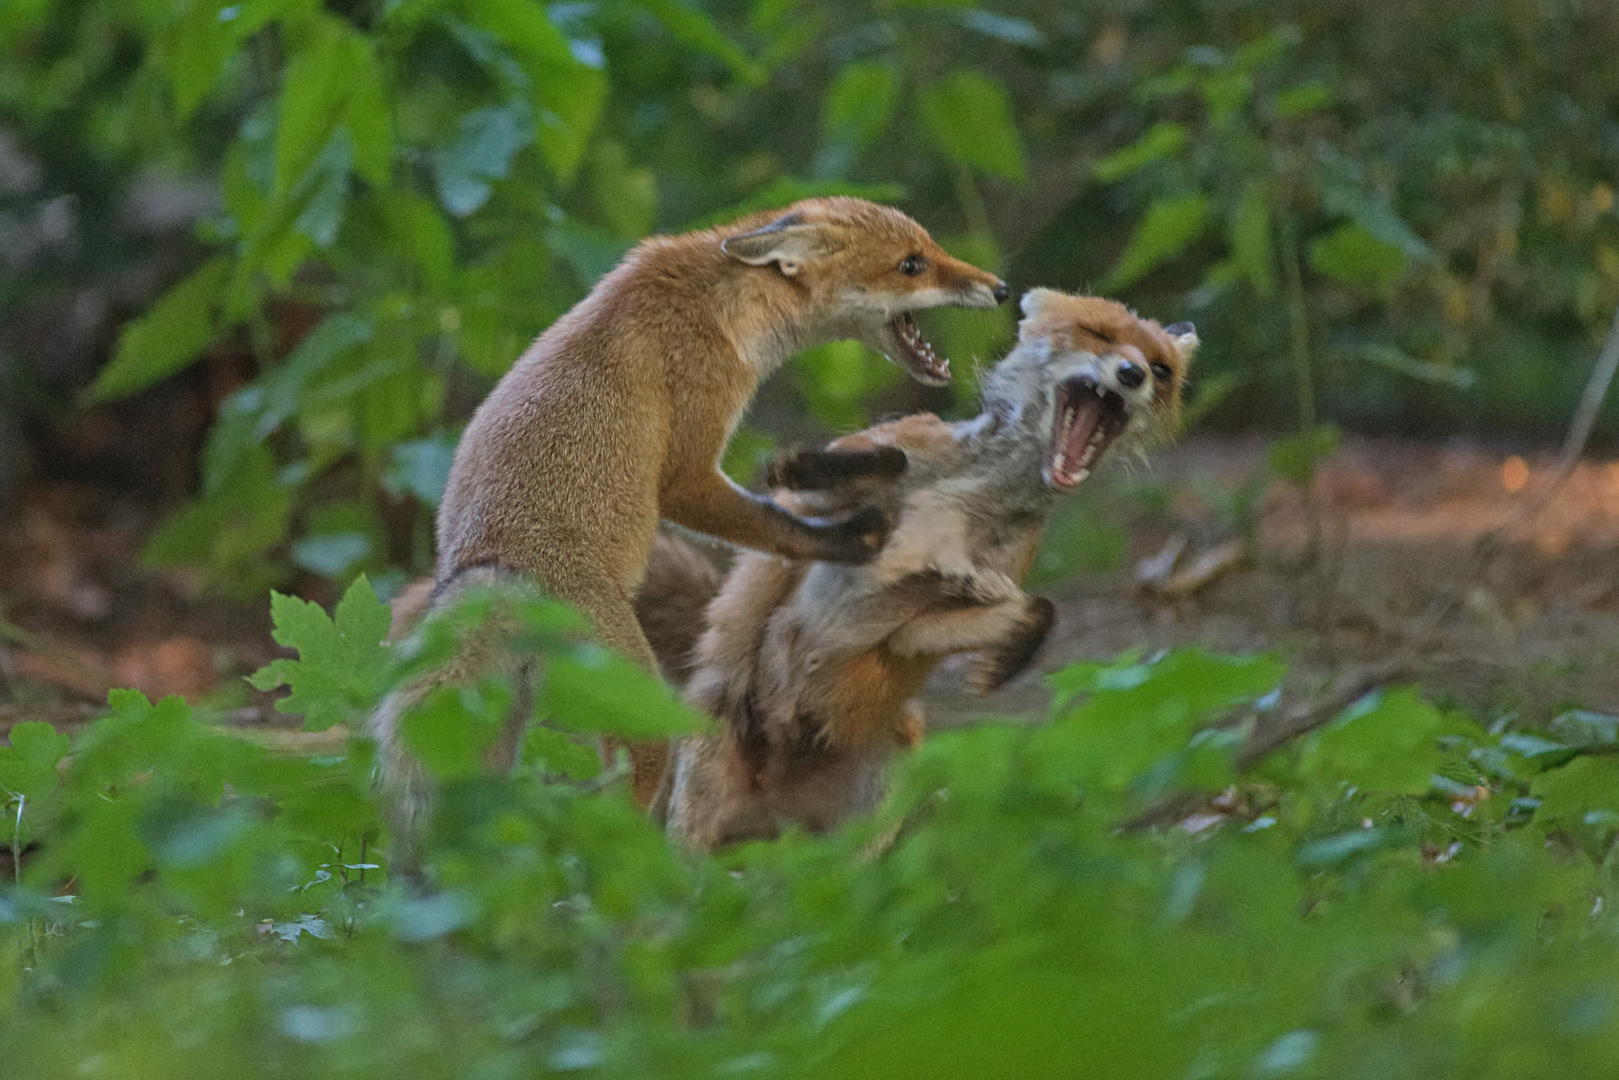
1082 475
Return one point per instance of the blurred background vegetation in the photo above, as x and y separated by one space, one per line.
261 259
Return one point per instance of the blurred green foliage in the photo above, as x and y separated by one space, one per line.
1403 893
1392 216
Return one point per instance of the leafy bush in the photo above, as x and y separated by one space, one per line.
1381 214
1401 893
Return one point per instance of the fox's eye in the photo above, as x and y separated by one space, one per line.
912 265
1162 371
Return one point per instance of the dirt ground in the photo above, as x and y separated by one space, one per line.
1394 525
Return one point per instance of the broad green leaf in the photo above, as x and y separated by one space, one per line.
485 142
968 116
169 337
1163 139
333 80
566 84
1354 256
596 691
193 49
693 27
1007 28
1251 239
1584 791
1135 726
1398 360
451 727
253 414
859 103
1296 457
420 468
1306 97
1385 742
230 530
332 555
626 195
28 765
1168 228
340 662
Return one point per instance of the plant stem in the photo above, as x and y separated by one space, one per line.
1299 320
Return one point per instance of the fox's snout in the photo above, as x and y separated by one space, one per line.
977 288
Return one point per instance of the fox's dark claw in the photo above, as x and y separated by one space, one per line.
855 539
819 470
998 666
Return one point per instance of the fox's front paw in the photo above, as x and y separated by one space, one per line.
997 666
856 539
819 470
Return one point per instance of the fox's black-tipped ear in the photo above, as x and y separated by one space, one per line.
789 242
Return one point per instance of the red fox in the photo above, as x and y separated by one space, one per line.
811 667
619 413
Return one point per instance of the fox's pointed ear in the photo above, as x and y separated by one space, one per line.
1186 340
789 242
1035 300
1033 303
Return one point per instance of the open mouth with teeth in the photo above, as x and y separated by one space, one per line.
904 343
1089 418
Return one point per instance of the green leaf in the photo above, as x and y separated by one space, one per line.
1163 139
1296 457
332 81
451 727
566 84
485 142
332 555
230 529
859 103
1583 791
694 28
1251 240
839 379
1306 97
968 117
341 661
1168 228
626 195
28 765
420 468
1136 725
1385 742
596 691
252 415
168 337
1352 255
194 48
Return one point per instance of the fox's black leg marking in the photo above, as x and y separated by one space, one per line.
997 666
817 470
854 539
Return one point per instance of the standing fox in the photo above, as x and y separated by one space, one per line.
811 667
619 413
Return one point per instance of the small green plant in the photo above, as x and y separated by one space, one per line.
1402 886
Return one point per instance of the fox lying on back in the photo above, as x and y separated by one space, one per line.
811 667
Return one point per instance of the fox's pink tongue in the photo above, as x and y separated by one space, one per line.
1072 443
